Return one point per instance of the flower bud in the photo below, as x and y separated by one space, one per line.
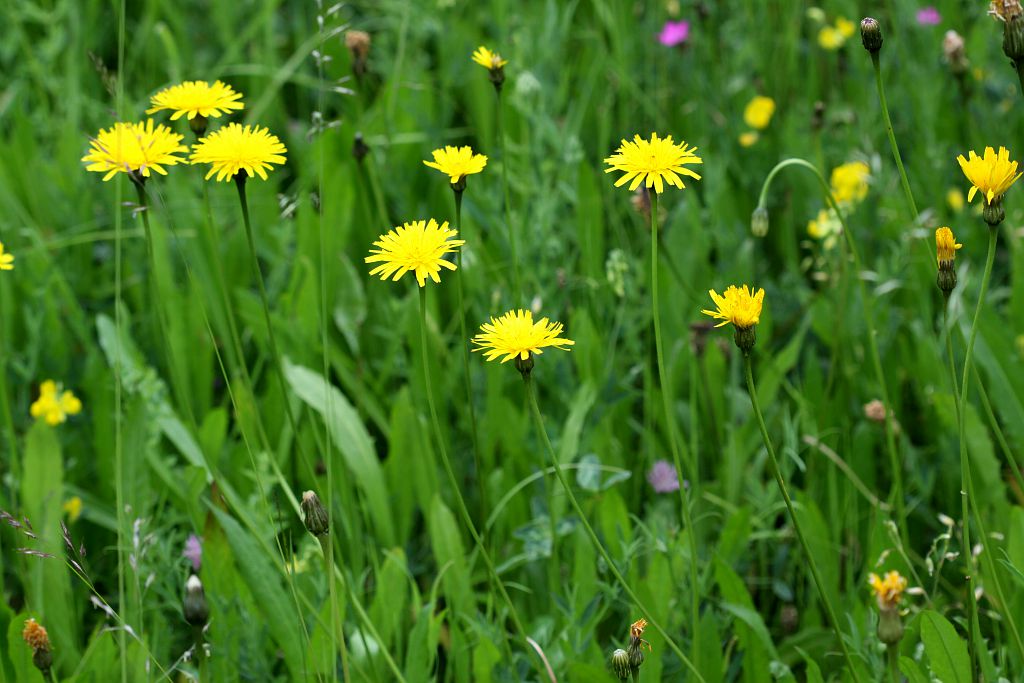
955 52
197 612
994 213
759 222
358 44
316 520
636 656
525 367
890 626
620 664
871 35
745 338
198 125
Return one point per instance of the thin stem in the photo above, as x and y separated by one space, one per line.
670 423
122 636
815 573
517 282
875 62
5 410
539 421
1019 68
892 656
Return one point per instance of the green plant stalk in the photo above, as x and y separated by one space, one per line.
892 658
517 282
1018 66
812 565
670 424
122 636
337 632
453 480
5 408
869 320
904 181
539 422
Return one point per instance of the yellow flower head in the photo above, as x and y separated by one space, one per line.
35 636
991 174
487 59
516 335
845 27
955 200
419 247
748 139
636 629
197 98
945 245
6 259
850 182
457 162
758 112
54 405
653 162
830 38
73 507
741 307
888 591
233 149
134 148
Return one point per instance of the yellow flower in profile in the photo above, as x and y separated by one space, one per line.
653 162
233 149
35 636
135 148
6 259
748 139
850 182
955 200
945 245
419 247
197 98
487 59
54 405
991 174
73 507
758 112
516 335
457 162
889 590
741 307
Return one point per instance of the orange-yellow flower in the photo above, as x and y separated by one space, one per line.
889 590
991 174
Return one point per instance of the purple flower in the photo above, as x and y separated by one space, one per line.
663 477
674 33
928 16
193 551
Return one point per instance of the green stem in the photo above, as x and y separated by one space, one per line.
612 567
1019 68
892 656
670 423
517 282
815 573
5 409
1004 445
904 181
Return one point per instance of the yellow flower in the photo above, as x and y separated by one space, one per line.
850 182
636 629
134 148
758 112
653 162
741 307
889 590
945 245
955 200
233 149
197 98
419 247
487 59
830 38
748 139
516 335
73 507
6 259
826 227
457 162
35 636
54 405
991 174
845 27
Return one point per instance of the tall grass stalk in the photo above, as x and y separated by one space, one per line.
517 281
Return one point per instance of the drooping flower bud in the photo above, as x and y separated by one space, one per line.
759 222
316 519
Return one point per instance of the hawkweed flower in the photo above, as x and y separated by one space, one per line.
198 101
742 308
515 335
620 664
663 477
6 259
136 149
233 149
457 163
653 162
72 507
991 174
748 138
955 200
419 247
849 182
637 644
55 404
888 592
358 44
834 37
36 638
194 606
945 252
493 62
674 33
758 112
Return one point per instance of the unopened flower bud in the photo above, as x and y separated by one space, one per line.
316 520
953 49
197 612
759 222
525 367
358 44
871 35
198 125
745 338
620 664
994 213
890 626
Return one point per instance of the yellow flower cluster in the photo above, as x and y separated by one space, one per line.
55 404
835 36
849 185
888 590
757 115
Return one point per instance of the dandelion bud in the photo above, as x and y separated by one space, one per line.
759 222
888 592
945 249
194 606
316 520
994 213
358 44
359 148
871 35
890 626
620 664
198 125
35 637
745 338
525 367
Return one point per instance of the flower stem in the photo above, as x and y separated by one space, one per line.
904 181
892 656
812 565
1019 67
670 424
517 282
539 421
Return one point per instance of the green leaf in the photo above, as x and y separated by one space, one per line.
947 652
912 670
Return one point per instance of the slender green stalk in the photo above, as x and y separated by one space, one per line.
453 480
612 567
812 565
904 181
119 472
895 464
670 424
517 282
5 410
1019 68
1004 445
892 658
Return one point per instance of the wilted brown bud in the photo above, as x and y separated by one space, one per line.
875 411
358 44
954 52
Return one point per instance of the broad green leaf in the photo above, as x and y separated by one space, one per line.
946 650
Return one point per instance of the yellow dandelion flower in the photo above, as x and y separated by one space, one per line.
749 138
945 245
653 162
955 200
134 148
741 307
516 335
850 182
73 507
55 405
758 112
487 59
845 27
419 247
197 98
35 636
6 259
830 38
636 629
991 174
457 162
234 148
888 591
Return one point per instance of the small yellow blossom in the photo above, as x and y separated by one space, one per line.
845 27
653 162
945 245
516 335
35 636
825 227
6 259
55 405
419 247
197 98
758 112
134 148
834 37
233 149
991 174
955 200
888 591
73 507
850 182
749 138
457 162
741 307
487 59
